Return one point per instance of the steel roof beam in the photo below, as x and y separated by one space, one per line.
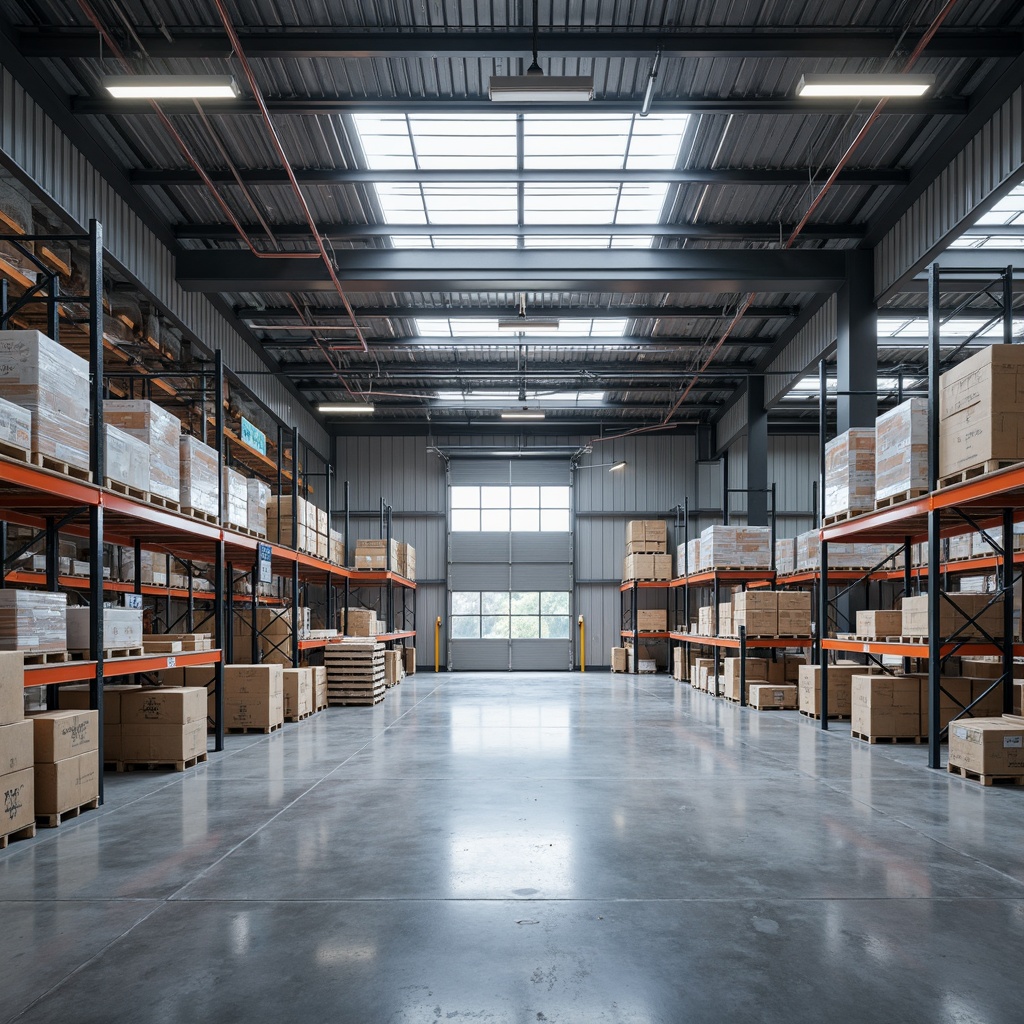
606 312
344 232
955 106
619 270
609 175
211 42
514 341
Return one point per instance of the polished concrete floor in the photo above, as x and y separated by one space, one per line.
523 848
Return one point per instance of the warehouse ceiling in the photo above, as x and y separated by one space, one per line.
428 229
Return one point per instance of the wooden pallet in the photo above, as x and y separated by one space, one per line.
162 647
843 517
773 707
28 832
203 517
177 766
357 702
647 579
244 530
122 488
56 466
110 652
817 717
898 499
985 780
265 729
864 639
888 739
53 820
12 451
298 718
47 657
162 502
992 466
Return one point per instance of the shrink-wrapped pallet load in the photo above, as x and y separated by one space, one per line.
160 431
735 547
850 472
901 450
33 621
236 499
258 500
198 464
127 460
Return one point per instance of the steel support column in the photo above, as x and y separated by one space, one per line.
857 345
757 453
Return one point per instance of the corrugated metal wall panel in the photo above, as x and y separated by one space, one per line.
481 547
542 576
42 154
480 576
990 164
479 655
541 547
549 472
539 655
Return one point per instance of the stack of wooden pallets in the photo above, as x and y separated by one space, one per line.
355 672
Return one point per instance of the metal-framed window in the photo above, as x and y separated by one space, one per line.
516 615
495 509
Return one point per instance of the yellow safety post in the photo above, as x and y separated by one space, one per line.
583 646
437 644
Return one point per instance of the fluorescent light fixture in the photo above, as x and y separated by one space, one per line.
616 466
874 86
522 324
524 415
541 88
171 87
345 407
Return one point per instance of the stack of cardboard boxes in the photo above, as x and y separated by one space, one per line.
253 697
67 763
735 547
850 472
160 432
378 555
299 695
197 464
17 775
647 555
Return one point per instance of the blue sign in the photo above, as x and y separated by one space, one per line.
264 558
253 437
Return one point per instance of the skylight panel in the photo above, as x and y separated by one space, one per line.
467 327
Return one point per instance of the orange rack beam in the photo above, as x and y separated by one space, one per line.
900 650
84 671
733 642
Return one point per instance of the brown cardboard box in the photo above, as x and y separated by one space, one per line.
839 689
392 668
652 620
794 613
298 693
639 547
19 806
76 698
253 696
361 622
12 687
410 661
163 742
988 668
988 746
785 556
879 623
981 409
769 695
663 567
958 693
706 620
167 705
618 659
319 686
757 672
64 734
777 671
70 782
678 664
887 706
725 619
16 748
915 616
758 611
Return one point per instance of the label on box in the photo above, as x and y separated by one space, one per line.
1013 742
960 732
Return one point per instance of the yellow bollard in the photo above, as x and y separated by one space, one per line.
583 646
437 645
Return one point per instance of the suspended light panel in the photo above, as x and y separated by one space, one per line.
866 86
346 407
171 87
541 88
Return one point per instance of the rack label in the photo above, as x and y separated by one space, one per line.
254 437
171 662
133 600
265 575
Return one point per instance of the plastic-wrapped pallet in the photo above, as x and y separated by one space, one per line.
127 459
901 450
122 627
236 499
52 384
15 426
158 429
735 547
850 472
258 498
785 556
33 620
198 469
808 551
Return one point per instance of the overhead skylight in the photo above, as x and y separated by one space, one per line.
910 332
1009 211
485 327
560 399
467 143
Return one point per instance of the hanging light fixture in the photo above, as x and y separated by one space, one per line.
536 87
867 86
171 87
521 323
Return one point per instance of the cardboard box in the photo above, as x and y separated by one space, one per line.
257 503
15 425
51 383
887 706
33 620
914 617
757 672
618 659
652 620
197 466
320 686
127 458
840 689
735 547
164 705
163 742
850 471
706 620
160 431
410 660
16 748
361 622
769 695
794 613
19 806
392 668
374 554
981 409
692 558
253 696
758 611
298 693
901 449
988 668
63 734
68 783
880 624
640 661
12 687
122 627
725 619
988 746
